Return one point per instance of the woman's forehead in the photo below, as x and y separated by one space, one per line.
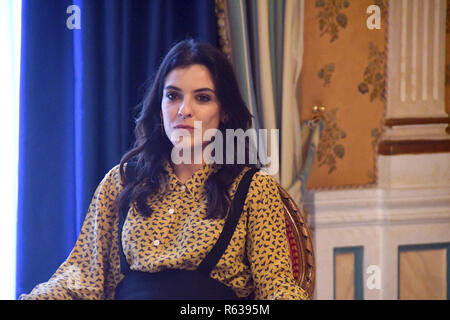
193 76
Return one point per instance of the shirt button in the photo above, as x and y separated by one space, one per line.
171 211
156 242
182 188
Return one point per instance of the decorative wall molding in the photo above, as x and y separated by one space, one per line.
415 121
378 207
417 132
397 147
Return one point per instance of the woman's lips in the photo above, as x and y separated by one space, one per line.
184 127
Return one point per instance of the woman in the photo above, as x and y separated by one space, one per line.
169 215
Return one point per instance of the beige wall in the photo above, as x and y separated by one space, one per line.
400 214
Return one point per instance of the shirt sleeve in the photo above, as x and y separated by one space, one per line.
267 245
86 273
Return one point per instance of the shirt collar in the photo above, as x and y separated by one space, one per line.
195 185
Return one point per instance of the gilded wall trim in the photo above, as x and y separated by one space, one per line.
223 29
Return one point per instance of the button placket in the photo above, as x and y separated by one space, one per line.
171 211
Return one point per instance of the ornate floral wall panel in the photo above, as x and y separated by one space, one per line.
344 69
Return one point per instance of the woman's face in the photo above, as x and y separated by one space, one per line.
189 96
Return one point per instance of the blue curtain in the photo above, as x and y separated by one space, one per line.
78 90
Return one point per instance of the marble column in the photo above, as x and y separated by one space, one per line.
416 71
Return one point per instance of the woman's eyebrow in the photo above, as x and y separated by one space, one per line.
205 89
170 87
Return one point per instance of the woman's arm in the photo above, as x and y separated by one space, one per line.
87 271
267 246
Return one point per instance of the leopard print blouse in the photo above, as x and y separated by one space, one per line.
177 235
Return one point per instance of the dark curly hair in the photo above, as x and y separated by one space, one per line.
152 147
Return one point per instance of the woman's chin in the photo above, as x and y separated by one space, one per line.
187 151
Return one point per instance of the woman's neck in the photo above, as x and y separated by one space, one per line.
184 171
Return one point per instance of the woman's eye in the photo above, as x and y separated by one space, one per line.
203 98
172 96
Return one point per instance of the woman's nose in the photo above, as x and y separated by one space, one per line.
185 109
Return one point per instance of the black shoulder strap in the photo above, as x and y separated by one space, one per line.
124 266
237 207
219 248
